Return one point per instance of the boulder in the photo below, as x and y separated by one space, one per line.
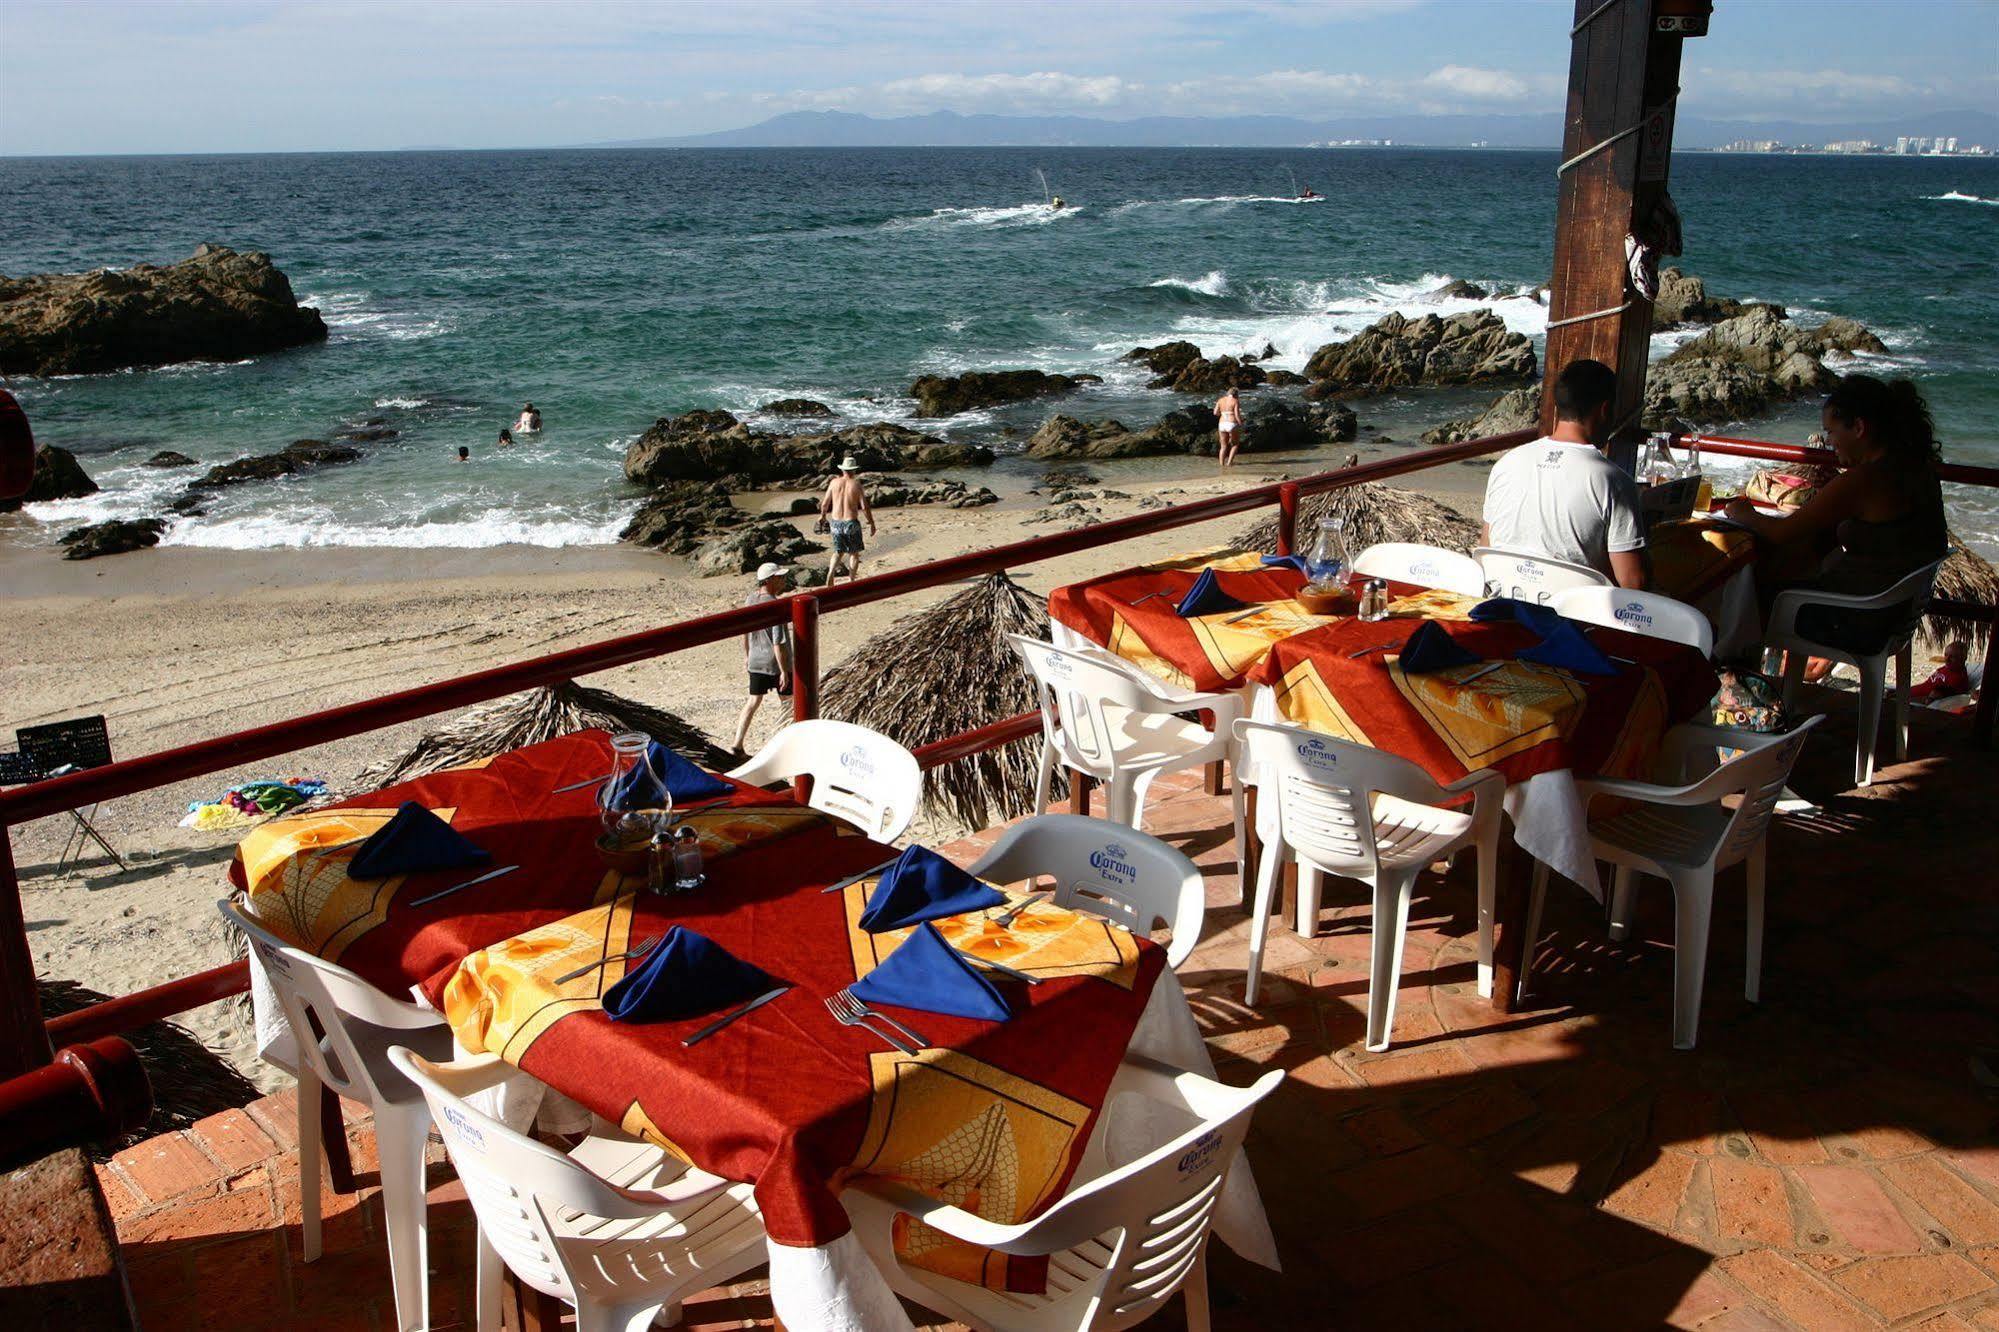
1683 299
1470 348
216 306
680 517
58 475
1689 393
297 456
1746 365
1846 335
371 434
894 492
168 458
742 549
939 395
800 407
1168 358
114 537
1286 423
706 445
1201 375
1283 378
1457 289
1515 409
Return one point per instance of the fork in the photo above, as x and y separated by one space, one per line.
844 1005
608 959
1005 919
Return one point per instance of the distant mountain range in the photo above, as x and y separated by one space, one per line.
948 129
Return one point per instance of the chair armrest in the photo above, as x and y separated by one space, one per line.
1681 742
953 1221
1487 789
1645 792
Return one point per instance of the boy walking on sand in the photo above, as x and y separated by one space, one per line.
766 652
845 504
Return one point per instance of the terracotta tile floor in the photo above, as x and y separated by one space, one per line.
1825 1159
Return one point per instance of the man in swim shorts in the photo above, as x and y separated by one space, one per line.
766 652
1228 424
845 504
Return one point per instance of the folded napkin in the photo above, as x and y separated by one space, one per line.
676 777
920 886
1541 619
1565 646
1431 648
685 975
413 841
1296 562
1206 597
927 973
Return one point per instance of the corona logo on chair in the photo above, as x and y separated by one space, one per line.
1425 569
1634 615
1202 1152
857 762
1316 754
1530 571
463 1129
1111 864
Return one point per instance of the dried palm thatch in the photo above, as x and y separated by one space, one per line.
1966 576
1375 513
189 1080
537 715
945 670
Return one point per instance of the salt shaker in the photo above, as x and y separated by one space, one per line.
689 869
1374 600
659 863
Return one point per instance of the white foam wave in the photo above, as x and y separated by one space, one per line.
495 527
1212 200
1019 215
410 403
1213 283
1956 196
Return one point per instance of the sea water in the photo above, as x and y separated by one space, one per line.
614 287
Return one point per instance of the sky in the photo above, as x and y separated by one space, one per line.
143 76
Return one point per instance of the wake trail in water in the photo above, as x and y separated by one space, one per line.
1019 215
1954 196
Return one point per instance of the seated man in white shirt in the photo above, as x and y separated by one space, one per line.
1560 496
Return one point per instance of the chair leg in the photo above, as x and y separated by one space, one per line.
308 1162
399 1139
1872 671
1311 886
1045 778
1905 673
1141 788
1623 900
1392 891
614 1317
1752 981
487 1272
1794 676
1239 816
1536 900
1195 1292
1693 901
1488 906
1267 875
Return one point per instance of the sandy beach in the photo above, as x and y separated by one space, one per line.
177 645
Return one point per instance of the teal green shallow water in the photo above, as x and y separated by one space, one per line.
613 287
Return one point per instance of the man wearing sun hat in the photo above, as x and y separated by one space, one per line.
766 652
845 504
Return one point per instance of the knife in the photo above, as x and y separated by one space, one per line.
733 1014
1000 967
853 879
446 892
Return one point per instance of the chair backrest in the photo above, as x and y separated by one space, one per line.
1648 613
1426 566
858 775
1531 577
1325 790
319 999
519 1189
1105 869
1913 591
1161 1205
80 743
1081 693
1757 776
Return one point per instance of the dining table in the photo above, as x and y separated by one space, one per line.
990 1115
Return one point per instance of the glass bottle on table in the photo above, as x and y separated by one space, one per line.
631 765
1326 567
1704 496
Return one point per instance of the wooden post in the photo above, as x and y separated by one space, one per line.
1287 518
804 674
1624 73
24 1040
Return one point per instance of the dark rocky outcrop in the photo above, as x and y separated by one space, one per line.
1396 352
1744 366
680 517
894 492
1515 409
1457 289
367 434
1683 299
216 306
940 395
169 458
743 548
114 537
1201 375
1286 423
1268 424
796 407
707 445
300 455
1283 378
58 475
1168 358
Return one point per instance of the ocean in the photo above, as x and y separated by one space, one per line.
613 287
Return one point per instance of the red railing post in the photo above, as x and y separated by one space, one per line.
804 672
1287 518
24 1041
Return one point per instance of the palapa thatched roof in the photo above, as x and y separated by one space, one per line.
1375 513
537 715
944 670
1966 576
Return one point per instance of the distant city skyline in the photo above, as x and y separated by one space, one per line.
119 76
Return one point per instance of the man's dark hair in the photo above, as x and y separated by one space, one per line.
1582 387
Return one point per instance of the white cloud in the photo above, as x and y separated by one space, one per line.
1481 85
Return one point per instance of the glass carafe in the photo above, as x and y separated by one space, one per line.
631 763
1326 567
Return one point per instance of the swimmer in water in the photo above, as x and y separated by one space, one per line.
1056 202
506 437
530 422
464 454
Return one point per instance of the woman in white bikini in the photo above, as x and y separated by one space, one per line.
1228 424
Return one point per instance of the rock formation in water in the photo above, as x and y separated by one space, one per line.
1396 352
1683 299
714 446
1269 424
217 306
298 456
796 407
113 537
1515 409
1744 366
58 475
939 395
169 458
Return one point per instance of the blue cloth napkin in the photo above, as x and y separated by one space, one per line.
685 975
1296 562
1206 597
682 780
1565 646
920 886
927 973
413 841
1541 619
1430 648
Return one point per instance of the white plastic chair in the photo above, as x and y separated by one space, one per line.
1527 576
1365 814
616 1228
858 775
1685 834
1912 591
343 1029
1105 869
1425 566
1650 613
1118 1245
1099 719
